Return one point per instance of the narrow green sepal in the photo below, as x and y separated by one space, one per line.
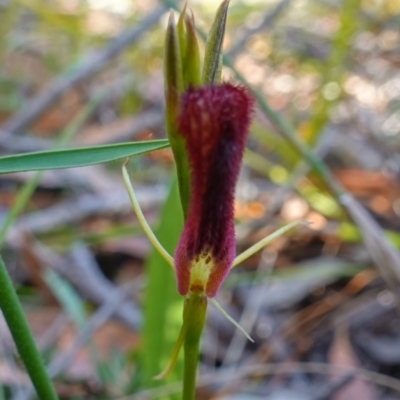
172 64
230 319
181 29
173 78
192 69
213 54
263 242
175 353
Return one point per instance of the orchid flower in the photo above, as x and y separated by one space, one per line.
207 124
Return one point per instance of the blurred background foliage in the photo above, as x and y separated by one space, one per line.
330 68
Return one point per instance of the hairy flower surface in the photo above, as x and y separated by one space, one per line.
214 122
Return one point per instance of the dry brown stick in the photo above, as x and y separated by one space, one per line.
385 256
86 68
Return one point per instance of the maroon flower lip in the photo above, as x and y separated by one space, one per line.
214 121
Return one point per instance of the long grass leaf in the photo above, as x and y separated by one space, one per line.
78 157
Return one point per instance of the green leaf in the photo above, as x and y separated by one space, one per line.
78 157
213 54
162 303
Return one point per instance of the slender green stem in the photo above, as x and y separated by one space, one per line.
194 314
190 371
15 318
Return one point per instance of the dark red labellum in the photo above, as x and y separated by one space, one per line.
214 122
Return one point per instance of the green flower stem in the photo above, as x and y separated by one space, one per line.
23 338
194 314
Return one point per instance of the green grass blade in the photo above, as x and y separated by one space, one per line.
78 157
23 338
